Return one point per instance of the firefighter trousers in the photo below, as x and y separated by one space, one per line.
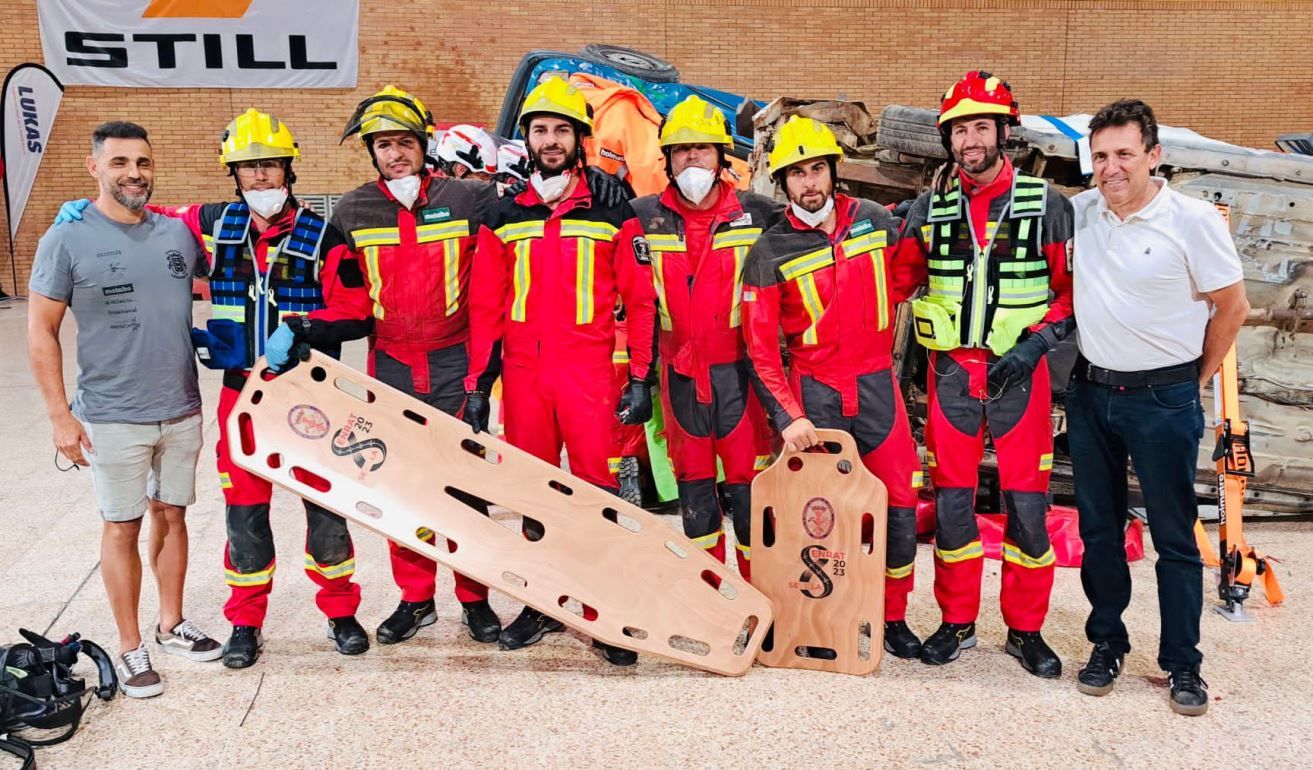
884 439
415 574
1020 424
731 429
248 558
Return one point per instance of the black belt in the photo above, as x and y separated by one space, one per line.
234 378
1149 378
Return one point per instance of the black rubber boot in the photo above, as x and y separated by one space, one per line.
407 619
527 629
616 656
348 635
243 647
1034 653
947 642
899 641
483 623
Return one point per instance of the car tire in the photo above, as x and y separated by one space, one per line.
631 62
910 130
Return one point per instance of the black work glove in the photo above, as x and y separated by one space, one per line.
515 188
608 190
1018 364
635 403
476 410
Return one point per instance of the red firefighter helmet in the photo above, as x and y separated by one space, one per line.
979 93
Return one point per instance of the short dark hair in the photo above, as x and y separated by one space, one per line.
116 129
1125 112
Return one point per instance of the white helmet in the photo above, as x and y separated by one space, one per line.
513 159
469 146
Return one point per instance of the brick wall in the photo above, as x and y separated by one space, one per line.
1237 71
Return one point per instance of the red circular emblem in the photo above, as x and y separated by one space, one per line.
818 518
307 421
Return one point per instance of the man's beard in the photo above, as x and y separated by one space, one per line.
985 164
817 205
132 203
543 169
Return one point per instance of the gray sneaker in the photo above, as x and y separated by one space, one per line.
136 678
188 641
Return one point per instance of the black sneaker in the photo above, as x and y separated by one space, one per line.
616 656
407 619
1189 693
243 647
1098 675
1034 653
348 635
527 629
946 642
899 641
483 623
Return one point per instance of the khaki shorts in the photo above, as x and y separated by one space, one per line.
135 462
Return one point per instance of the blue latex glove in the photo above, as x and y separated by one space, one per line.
71 211
278 350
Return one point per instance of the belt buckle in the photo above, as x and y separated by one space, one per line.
1089 372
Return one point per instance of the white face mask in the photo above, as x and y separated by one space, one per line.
266 203
405 189
694 183
552 188
813 219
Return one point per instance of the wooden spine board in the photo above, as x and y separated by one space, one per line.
857 597
670 580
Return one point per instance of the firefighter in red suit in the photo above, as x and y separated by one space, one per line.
400 272
699 230
552 263
825 275
995 242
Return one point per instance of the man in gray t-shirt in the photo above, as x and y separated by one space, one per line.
126 274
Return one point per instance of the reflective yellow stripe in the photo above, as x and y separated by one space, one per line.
375 279
707 542
1014 554
613 465
229 312
451 270
332 571
519 231
207 241
926 231
225 481
899 572
583 276
811 300
243 579
881 288
376 236
761 463
735 238
862 244
662 243
521 278
930 459
597 231
735 316
807 263
745 550
424 533
972 550
1046 462
659 282
459 228
918 479
620 357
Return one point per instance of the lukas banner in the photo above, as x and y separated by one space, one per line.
202 43
30 99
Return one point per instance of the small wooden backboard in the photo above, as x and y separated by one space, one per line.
399 467
818 552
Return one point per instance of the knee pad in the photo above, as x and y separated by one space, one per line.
699 507
327 539
738 504
250 540
1026 521
900 548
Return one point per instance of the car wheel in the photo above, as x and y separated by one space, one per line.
631 62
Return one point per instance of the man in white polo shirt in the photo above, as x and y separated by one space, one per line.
1159 299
